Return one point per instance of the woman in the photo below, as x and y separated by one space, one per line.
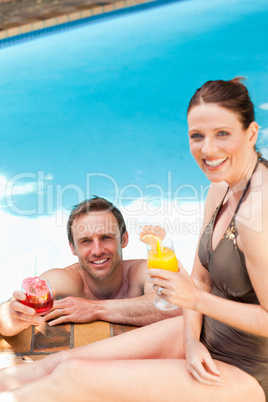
219 350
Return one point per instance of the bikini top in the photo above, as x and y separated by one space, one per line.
226 263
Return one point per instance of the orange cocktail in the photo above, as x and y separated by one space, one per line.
163 259
161 255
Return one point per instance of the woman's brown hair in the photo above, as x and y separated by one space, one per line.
232 95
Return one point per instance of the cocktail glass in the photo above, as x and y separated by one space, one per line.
163 257
39 295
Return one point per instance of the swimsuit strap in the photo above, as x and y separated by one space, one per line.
262 159
246 188
219 207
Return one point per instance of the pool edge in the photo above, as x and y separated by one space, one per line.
38 28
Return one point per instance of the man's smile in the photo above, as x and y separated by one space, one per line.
99 261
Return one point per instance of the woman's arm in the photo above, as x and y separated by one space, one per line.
184 291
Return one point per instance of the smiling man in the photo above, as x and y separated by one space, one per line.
101 285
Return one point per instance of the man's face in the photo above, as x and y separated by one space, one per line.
97 243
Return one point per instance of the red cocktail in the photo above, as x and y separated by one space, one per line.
38 294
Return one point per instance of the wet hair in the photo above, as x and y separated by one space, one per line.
95 204
232 95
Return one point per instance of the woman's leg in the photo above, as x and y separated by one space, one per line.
135 381
162 340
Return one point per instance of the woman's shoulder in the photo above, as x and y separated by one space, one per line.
215 196
257 197
253 212
216 192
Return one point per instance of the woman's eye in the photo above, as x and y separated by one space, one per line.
222 133
196 136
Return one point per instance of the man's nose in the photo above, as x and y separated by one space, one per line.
97 248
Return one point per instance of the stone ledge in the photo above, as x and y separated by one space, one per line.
51 15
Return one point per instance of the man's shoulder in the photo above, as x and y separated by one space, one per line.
136 271
131 265
65 281
70 270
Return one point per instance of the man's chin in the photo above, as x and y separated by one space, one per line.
100 275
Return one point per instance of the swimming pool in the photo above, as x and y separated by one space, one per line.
100 109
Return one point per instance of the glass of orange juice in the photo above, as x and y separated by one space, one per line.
162 256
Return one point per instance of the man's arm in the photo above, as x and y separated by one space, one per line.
15 316
138 311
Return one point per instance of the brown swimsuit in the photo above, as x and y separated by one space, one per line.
228 272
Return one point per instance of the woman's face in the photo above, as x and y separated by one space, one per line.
219 144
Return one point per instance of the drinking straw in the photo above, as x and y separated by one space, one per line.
35 266
158 249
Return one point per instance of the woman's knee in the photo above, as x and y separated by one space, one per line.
67 370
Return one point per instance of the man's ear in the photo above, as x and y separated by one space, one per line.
72 248
124 242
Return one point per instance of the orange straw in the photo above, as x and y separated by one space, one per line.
158 249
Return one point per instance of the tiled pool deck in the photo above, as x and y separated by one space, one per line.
38 342
24 18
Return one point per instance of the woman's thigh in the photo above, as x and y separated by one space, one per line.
138 380
162 340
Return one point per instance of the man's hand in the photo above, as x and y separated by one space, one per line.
15 316
200 364
20 312
72 309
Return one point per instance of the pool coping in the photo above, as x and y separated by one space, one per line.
37 28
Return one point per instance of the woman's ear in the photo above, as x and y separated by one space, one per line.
253 131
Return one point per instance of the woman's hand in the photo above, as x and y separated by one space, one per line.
200 364
178 287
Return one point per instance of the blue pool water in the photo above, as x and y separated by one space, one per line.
101 109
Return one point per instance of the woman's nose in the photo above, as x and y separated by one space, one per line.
209 146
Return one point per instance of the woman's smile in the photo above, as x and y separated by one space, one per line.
219 144
215 163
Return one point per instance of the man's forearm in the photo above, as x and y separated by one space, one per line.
137 311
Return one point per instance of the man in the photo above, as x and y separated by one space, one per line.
100 286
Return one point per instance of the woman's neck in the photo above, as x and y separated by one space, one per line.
238 187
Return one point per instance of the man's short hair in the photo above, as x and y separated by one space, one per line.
95 204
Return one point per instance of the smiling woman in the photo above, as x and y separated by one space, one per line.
223 131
